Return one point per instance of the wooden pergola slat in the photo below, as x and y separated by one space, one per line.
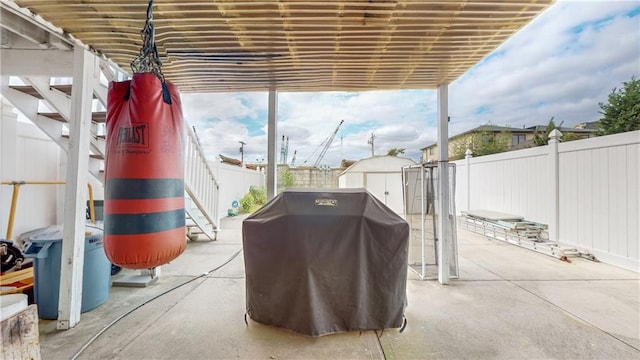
211 46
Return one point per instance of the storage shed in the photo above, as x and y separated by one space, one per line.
381 175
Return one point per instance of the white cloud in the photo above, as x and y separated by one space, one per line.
562 65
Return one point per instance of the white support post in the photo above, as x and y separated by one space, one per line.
467 157
554 139
73 237
444 239
272 133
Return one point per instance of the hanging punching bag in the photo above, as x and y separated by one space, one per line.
144 218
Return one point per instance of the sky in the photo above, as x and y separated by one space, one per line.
561 65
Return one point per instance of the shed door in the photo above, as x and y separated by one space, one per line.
387 187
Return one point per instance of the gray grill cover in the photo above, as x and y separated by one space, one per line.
320 262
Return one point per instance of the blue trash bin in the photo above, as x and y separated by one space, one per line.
46 250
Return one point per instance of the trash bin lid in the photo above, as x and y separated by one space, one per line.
50 234
55 233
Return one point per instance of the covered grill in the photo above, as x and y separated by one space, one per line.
321 262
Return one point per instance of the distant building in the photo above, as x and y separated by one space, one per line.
520 138
593 125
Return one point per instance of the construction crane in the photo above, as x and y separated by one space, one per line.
293 160
284 150
324 146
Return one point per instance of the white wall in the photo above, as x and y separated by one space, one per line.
26 154
234 182
597 182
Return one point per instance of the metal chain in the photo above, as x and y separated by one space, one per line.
148 60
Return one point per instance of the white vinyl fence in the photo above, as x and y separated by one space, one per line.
585 190
234 183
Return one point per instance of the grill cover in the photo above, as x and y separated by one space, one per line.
319 262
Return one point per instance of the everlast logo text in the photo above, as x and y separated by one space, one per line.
136 135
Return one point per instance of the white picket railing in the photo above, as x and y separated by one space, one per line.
201 186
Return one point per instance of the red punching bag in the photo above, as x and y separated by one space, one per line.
144 218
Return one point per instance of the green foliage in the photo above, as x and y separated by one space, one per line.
247 203
481 143
259 195
493 143
251 201
286 179
460 145
622 111
543 138
396 151
569 136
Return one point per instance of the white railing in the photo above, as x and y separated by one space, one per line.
201 185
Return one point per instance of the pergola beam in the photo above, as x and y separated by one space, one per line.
36 62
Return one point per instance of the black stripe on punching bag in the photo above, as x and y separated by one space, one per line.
129 189
132 224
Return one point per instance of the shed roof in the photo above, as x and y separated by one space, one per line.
298 45
379 163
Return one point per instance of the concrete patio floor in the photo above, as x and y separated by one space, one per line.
509 303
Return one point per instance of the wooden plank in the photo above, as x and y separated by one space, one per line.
30 90
66 89
53 116
16 276
27 89
97 117
20 336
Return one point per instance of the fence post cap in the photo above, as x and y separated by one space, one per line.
555 134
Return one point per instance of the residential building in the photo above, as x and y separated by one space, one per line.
520 138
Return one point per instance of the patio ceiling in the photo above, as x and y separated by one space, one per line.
293 45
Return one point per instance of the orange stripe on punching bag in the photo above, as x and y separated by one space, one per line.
144 219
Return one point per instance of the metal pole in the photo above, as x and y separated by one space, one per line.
242 144
12 211
423 211
14 199
467 156
271 144
443 185
371 142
